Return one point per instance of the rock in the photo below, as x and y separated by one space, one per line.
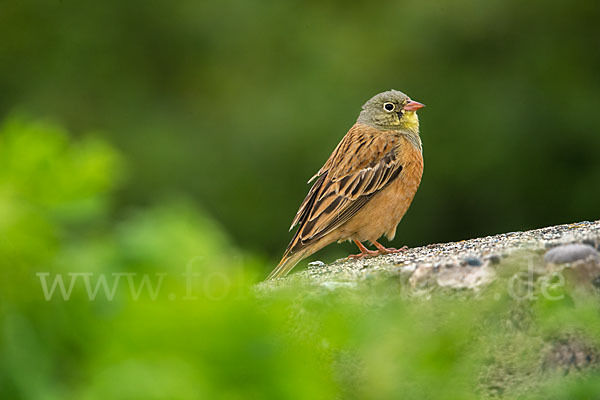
316 264
466 278
421 277
569 253
473 261
459 277
551 250
512 270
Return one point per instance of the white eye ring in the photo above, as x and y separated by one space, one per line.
389 107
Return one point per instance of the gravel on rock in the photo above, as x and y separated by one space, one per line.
474 261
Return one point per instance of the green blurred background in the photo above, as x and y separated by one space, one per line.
145 136
238 103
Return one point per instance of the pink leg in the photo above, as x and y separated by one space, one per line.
364 252
387 250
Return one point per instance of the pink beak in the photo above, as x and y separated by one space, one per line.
413 106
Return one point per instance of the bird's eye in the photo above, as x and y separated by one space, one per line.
389 107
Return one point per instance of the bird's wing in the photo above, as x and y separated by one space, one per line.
362 164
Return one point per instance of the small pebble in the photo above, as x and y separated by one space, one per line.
473 261
493 259
316 264
568 253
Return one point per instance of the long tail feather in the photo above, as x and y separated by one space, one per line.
286 264
290 259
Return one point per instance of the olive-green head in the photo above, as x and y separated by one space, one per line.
391 110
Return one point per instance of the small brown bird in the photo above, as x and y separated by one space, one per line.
366 185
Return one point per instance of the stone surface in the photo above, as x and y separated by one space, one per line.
548 264
467 264
568 253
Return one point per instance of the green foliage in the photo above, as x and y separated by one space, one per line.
221 336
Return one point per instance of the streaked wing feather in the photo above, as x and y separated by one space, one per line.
362 164
308 202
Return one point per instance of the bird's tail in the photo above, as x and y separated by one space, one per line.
290 259
286 264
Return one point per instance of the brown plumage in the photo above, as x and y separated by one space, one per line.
367 184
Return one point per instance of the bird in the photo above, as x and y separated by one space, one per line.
366 186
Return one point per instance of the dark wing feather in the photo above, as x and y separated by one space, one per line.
364 162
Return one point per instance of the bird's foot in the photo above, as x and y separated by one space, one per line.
381 249
366 253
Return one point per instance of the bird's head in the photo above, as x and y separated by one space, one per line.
391 110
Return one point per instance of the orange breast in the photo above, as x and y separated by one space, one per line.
397 198
384 211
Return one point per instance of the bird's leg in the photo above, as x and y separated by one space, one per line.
364 252
387 250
